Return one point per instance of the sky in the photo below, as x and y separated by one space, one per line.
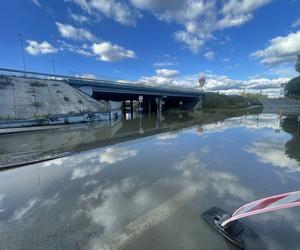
239 45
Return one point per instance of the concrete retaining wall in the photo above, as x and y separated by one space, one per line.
25 98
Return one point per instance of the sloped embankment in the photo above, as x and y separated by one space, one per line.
28 98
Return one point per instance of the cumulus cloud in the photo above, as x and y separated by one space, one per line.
166 72
296 23
220 83
79 18
119 11
281 49
70 32
36 48
83 50
210 55
108 52
163 64
86 76
162 77
200 18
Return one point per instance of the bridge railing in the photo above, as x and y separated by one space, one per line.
48 76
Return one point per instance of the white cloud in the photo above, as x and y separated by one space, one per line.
86 76
296 23
162 77
220 83
238 12
108 52
281 49
117 10
36 2
193 42
84 5
166 72
231 21
210 55
35 48
155 80
200 18
163 64
84 50
79 18
70 32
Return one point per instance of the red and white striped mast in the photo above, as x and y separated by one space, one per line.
202 81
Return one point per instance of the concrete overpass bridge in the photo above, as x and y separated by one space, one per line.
154 97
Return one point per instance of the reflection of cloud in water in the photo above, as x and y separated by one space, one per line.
113 155
271 121
56 162
124 200
270 149
166 136
166 139
2 196
99 160
51 201
88 170
277 219
20 212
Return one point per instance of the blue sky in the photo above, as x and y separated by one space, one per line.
236 43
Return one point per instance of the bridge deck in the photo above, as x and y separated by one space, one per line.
113 87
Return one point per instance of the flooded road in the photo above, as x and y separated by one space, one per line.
146 184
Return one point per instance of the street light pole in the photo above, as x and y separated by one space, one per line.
22 50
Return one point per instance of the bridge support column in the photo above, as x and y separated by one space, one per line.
158 101
131 108
124 108
149 107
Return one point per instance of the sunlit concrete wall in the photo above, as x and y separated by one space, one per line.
26 98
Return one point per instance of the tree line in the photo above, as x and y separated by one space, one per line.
292 89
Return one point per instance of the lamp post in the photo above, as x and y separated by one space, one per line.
22 51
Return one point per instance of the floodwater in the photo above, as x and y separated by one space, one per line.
147 190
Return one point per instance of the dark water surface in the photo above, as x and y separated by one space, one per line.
149 182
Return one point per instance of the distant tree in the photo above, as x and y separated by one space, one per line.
297 65
293 87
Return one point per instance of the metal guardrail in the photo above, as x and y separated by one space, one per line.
48 76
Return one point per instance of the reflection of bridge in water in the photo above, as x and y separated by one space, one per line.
43 145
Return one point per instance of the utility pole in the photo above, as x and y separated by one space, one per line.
22 50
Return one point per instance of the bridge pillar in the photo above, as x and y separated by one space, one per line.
131 108
124 108
149 107
158 101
